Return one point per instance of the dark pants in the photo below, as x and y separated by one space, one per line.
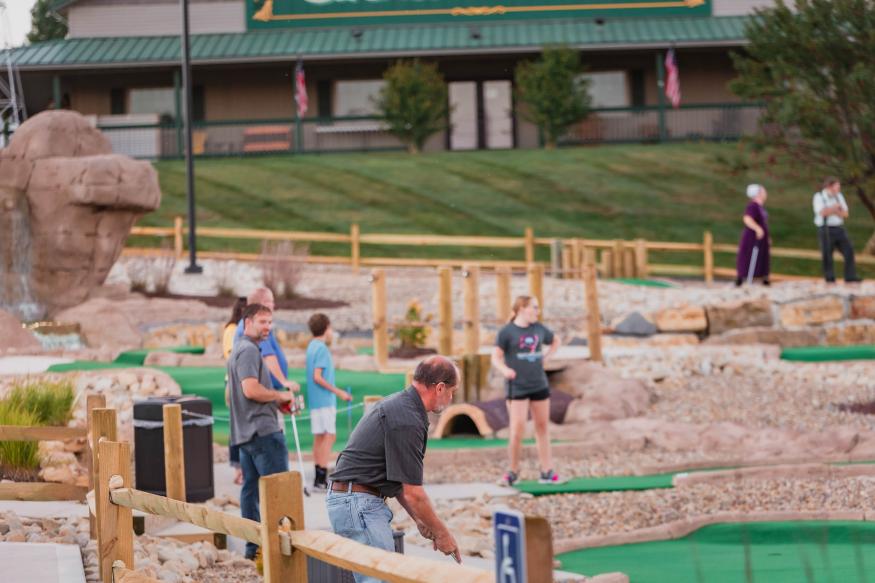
832 238
261 456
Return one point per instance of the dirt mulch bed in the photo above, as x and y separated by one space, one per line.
296 303
407 352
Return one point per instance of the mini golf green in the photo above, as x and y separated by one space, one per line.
138 357
767 552
642 282
829 353
209 383
597 484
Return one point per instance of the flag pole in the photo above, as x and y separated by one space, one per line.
298 65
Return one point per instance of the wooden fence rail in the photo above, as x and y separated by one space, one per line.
281 535
619 258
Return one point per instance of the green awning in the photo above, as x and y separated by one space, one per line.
385 41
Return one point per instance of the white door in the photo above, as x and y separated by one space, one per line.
497 104
463 115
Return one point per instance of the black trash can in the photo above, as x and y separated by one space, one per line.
322 572
197 436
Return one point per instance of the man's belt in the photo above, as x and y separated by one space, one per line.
361 488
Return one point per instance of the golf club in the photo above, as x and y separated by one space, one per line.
753 263
297 409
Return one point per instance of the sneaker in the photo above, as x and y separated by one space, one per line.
549 477
320 485
508 479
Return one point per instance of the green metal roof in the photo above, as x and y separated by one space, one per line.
316 43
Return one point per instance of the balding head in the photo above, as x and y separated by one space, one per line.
436 369
261 295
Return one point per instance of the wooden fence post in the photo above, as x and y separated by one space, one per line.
370 401
577 259
381 324
539 549
502 294
593 317
92 402
529 240
566 261
535 272
708 245
101 423
607 264
641 258
177 237
471 314
115 526
445 310
174 454
355 247
556 265
617 256
281 501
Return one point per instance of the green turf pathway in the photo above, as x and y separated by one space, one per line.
829 353
766 552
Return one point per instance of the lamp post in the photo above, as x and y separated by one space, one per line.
193 267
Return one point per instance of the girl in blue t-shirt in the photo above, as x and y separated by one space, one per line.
519 354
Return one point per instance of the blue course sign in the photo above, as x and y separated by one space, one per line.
509 528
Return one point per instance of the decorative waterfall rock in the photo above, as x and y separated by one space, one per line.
67 204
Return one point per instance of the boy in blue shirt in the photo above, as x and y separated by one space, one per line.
322 396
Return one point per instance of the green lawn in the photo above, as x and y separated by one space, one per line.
667 192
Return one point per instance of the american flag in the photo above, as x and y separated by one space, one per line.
300 90
673 80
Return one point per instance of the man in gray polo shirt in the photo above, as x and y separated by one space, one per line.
383 459
255 425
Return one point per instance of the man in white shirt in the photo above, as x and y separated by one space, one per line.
830 212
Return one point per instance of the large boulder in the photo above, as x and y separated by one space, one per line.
850 333
743 314
602 394
14 338
67 204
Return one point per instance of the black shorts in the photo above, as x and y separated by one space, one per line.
541 395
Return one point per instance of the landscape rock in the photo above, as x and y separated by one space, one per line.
812 311
863 307
14 338
681 319
778 336
743 314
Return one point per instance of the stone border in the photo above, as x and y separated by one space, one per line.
681 528
774 473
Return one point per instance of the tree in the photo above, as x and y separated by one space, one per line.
812 66
556 94
414 102
46 24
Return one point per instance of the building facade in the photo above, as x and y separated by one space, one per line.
120 64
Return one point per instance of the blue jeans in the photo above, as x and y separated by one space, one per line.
261 456
363 518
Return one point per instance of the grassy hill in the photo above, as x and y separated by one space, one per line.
668 193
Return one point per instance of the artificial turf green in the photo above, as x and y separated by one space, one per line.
764 552
829 353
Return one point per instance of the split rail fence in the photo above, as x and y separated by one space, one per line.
613 258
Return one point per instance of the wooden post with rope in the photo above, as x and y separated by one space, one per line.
101 424
281 500
115 525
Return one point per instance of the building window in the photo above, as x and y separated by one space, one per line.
160 100
356 97
608 89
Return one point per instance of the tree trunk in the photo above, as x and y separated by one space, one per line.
867 202
413 148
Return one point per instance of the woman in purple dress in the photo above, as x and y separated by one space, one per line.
753 249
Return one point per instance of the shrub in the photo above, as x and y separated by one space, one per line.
50 402
413 330
19 460
282 263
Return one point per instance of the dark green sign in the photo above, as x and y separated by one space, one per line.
280 13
